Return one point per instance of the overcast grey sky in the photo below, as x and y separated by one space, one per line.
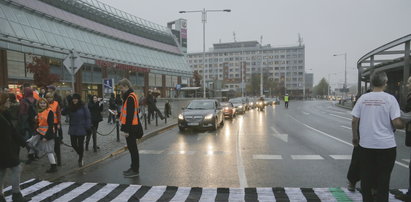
327 26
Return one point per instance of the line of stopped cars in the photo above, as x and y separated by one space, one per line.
210 113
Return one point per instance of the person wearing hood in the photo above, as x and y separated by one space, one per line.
79 126
10 143
27 113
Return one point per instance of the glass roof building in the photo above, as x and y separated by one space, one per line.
100 34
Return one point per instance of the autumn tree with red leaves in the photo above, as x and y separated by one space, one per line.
41 72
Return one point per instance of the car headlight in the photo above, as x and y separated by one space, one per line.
226 108
209 116
180 116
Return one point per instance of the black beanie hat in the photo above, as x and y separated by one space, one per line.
76 96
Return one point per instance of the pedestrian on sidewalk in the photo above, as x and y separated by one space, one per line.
142 102
43 141
66 102
10 143
27 114
79 126
152 107
95 107
56 109
130 125
112 107
377 114
407 196
119 103
167 109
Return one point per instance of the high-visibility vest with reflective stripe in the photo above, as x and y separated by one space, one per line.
42 120
286 98
54 107
36 95
124 110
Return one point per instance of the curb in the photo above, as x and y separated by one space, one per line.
342 106
116 152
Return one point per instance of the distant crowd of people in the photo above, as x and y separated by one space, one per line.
33 120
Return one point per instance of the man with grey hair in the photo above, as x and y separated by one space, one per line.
376 114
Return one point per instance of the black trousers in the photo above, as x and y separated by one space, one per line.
132 148
376 166
57 143
94 134
77 142
354 174
286 104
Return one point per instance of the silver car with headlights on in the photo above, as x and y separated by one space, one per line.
201 114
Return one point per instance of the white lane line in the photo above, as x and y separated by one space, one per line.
181 152
346 127
406 160
267 157
307 157
150 151
306 113
340 117
283 137
342 141
341 157
240 164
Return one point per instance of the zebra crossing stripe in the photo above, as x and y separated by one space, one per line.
181 194
71 191
113 194
50 192
7 190
168 194
129 193
208 194
75 192
101 193
280 194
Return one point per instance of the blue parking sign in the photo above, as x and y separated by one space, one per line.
108 85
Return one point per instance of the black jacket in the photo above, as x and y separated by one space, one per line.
95 111
10 142
132 130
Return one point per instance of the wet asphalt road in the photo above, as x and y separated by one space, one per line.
307 145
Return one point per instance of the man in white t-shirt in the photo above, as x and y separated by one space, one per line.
377 113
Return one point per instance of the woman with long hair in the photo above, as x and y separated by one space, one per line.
10 142
96 107
79 125
43 141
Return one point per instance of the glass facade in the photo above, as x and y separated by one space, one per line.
41 31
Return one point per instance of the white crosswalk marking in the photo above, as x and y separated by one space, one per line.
52 191
127 193
101 193
263 156
94 192
307 157
154 193
181 152
295 194
9 188
32 188
150 151
265 194
324 194
236 194
74 193
208 194
341 157
182 194
406 160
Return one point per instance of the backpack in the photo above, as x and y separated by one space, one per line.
31 113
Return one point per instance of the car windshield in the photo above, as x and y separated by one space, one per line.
236 101
201 105
226 104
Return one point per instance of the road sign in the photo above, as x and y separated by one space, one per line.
108 85
73 62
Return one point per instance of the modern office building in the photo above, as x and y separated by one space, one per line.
283 65
111 43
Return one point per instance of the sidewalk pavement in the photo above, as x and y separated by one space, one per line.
108 144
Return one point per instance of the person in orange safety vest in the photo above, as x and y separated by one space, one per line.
43 141
130 125
55 107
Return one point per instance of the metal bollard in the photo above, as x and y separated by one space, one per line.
145 120
156 119
118 130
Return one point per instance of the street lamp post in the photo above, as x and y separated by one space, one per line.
345 71
304 84
204 20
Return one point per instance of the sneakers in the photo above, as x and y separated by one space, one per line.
127 171
80 163
19 197
131 173
403 197
351 187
